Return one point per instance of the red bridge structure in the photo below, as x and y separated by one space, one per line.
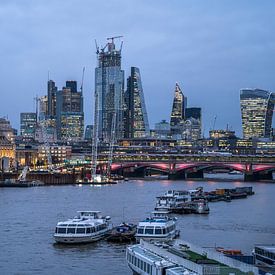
254 168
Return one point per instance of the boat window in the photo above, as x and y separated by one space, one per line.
157 230
61 230
149 230
93 230
80 230
71 230
164 231
140 230
72 225
88 230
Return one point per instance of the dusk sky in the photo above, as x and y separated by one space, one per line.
211 48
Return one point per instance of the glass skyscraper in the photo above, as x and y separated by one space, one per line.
28 123
136 119
178 109
257 110
109 86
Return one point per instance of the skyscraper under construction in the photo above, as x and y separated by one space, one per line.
109 85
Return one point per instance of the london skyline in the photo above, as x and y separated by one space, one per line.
212 50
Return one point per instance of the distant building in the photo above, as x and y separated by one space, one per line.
7 153
136 120
257 110
88 132
217 134
178 110
6 129
193 122
162 129
28 123
62 111
109 88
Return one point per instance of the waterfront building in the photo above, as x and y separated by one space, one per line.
28 123
136 120
257 110
59 153
178 110
109 88
26 155
7 152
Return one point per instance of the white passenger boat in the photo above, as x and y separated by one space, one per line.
88 226
171 200
157 227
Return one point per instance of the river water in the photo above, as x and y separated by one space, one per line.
29 216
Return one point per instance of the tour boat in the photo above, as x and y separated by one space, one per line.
159 228
88 226
172 199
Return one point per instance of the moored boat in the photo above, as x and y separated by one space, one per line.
157 228
125 232
88 226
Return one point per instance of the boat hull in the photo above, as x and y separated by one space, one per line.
78 240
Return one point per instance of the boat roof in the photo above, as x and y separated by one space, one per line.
88 211
76 222
155 222
269 248
137 249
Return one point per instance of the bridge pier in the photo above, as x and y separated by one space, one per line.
258 176
195 175
134 173
176 176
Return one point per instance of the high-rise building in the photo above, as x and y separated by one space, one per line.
136 120
178 110
193 122
257 110
28 123
69 113
162 129
109 87
88 132
52 91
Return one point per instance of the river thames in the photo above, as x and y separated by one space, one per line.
29 216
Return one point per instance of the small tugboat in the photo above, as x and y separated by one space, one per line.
125 232
88 226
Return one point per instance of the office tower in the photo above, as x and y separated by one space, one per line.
193 122
193 112
257 110
162 129
178 110
69 113
136 120
52 91
109 86
28 123
88 132
43 107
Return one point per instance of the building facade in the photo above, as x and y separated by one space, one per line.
257 110
28 125
178 110
136 119
109 88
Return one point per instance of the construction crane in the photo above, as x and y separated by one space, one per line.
95 140
214 122
114 37
111 148
81 87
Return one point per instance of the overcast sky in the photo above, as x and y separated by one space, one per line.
211 48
